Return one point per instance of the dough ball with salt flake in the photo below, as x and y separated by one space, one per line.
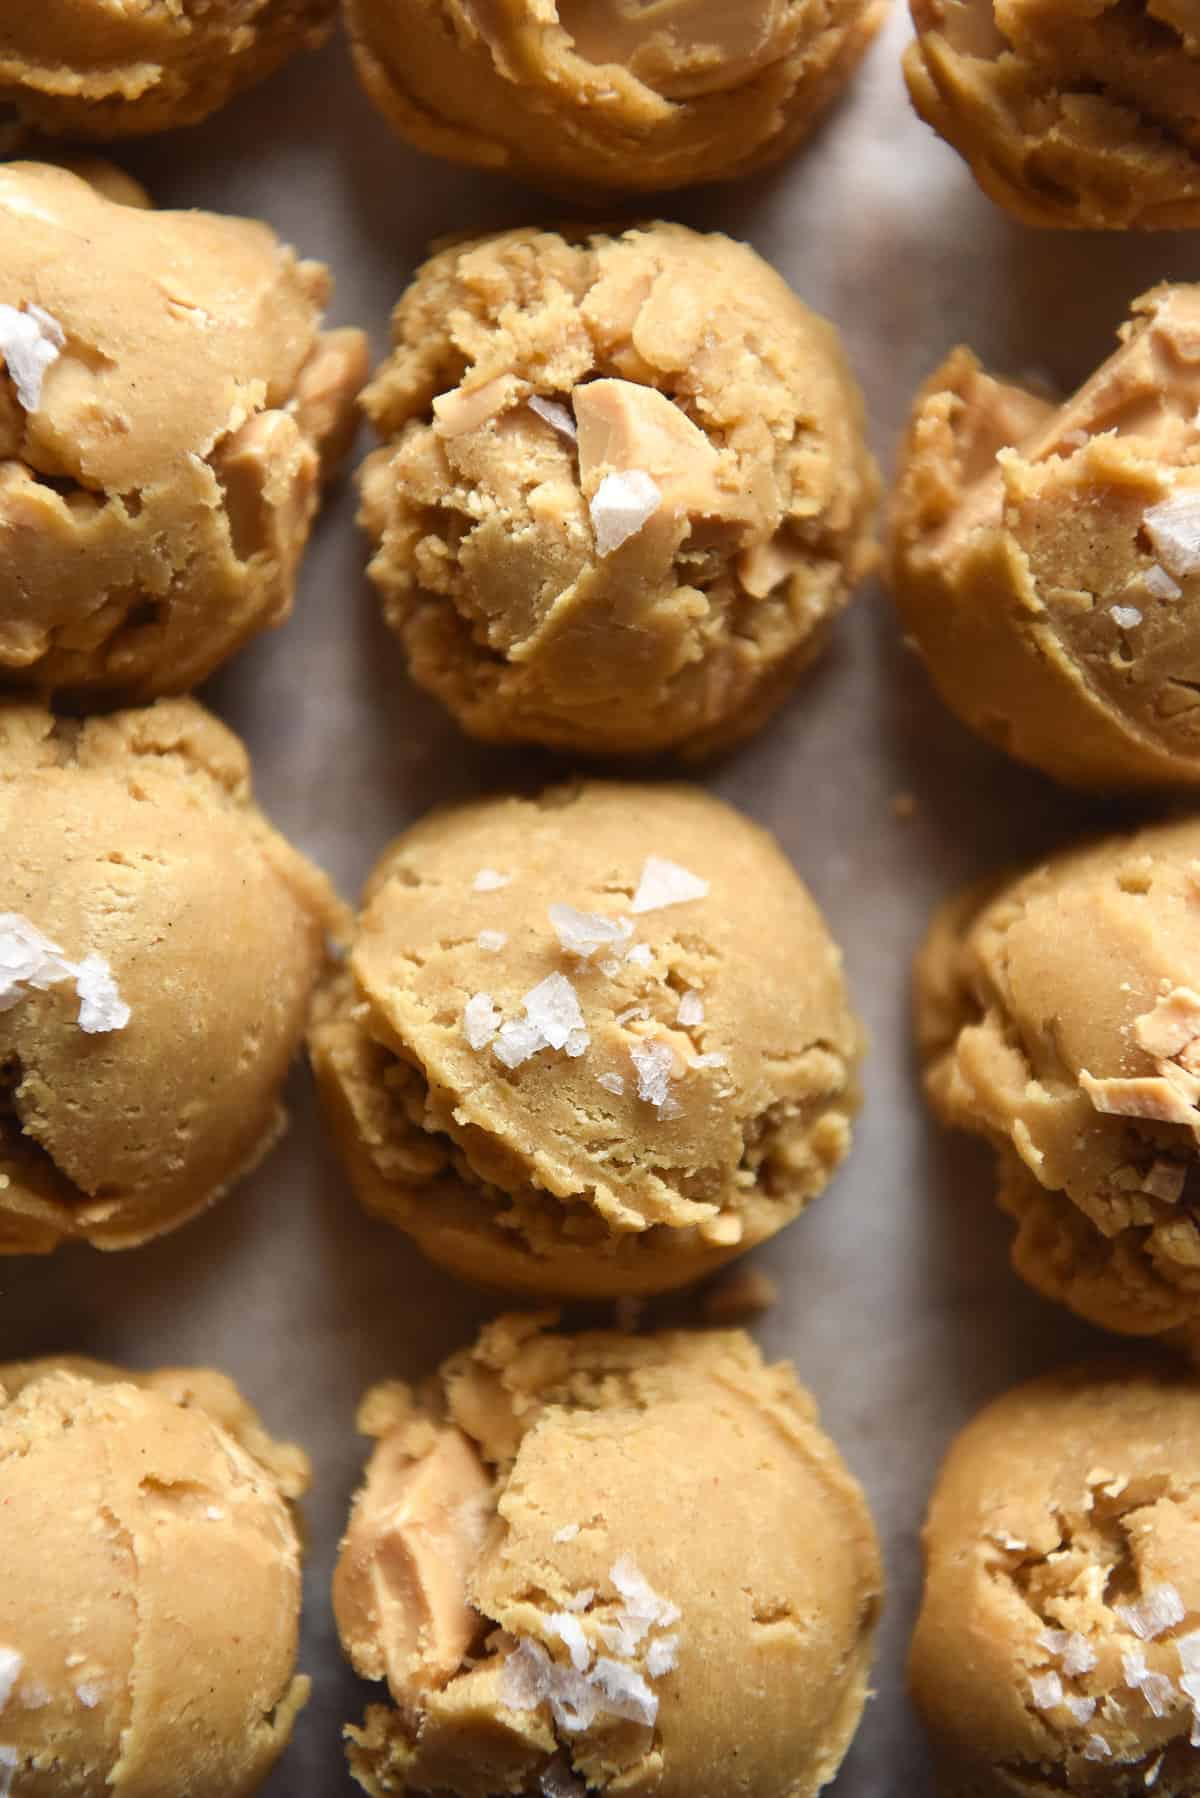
544 1637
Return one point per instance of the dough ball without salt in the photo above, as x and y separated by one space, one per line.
594 1043
168 403
1058 1644
88 69
159 944
1080 116
1059 1018
606 1563
1046 559
623 491
616 94
149 1584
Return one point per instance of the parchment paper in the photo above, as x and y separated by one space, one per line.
897 1304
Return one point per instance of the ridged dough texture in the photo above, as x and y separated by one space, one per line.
1026 555
1057 1016
520 1487
149 1584
617 94
1078 113
89 69
134 837
684 358
1060 1512
155 506
539 1177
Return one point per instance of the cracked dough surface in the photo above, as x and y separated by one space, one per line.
135 837
1026 1040
1067 1497
155 506
626 1447
1081 113
141 1511
678 355
538 1178
90 69
1022 566
578 94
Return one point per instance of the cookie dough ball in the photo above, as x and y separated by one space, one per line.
1072 115
159 943
594 1043
1058 1645
1046 559
624 488
89 69
1059 1017
617 94
167 396
540 1565
149 1584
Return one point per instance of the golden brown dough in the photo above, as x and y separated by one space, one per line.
168 402
91 69
579 94
621 1116
635 1562
1058 1645
149 1584
134 839
624 488
1083 113
1059 1018
1046 559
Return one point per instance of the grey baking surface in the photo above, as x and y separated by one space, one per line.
897 1303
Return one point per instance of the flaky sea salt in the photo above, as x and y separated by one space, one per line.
583 932
517 1041
30 340
553 1020
665 883
643 1605
11 1664
481 1020
691 1010
1155 1688
641 955
101 1007
8 1770
1189 1681
1082 1710
89 1693
31 962
489 880
1157 1611
491 941
579 1601
1046 1690
612 1083
1127 617
625 1692
662 1656
571 1633
553 414
567 1533
1159 584
654 1064
1096 1749
712 1059
215 1514
621 505
1173 527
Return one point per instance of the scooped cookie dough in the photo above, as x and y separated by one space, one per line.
88 69
624 488
540 1566
1046 559
1058 1645
1059 1018
594 1043
167 403
1069 115
143 1514
578 94
159 943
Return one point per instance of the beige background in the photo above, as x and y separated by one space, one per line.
897 1302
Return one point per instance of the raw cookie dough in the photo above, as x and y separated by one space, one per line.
89 69
1081 113
1046 559
167 403
593 1043
1058 1645
1059 1018
632 1562
624 489
626 94
149 1584
159 943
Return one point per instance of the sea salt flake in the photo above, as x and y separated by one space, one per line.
1082 1709
215 1514
30 341
570 1632
641 955
579 1601
1096 1749
492 941
480 1020
11 1664
654 1064
1078 1656
630 1013
612 1083
488 880
567 1533
583 932
665 883
1173 528
625 1691
621 505
1159 584
89 1694
1155 1688
30 962
101 1007
553 1008
642 1602
662 1656
517 1041
1159 1610
1046 1690
691 1010
1127 617
8 1769
713 1059
554 414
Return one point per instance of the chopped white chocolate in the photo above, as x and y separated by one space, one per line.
691 1010
1157 1611
621 506
583 932
567 1533
466 409
1046 1691
491 941
1172 1022
665 883
101 1007
30 341
11 1664
1141 1096
612 1083
641 955
553 413
1173 528
1165 1180
481 1020
1160 585
489 880
1127 618
654 1064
